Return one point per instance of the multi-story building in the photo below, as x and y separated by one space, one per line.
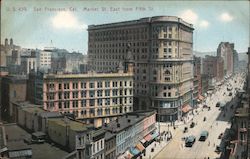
248 91
204 84
67 62
67 133
94 97
197 78
235 61
213 67
132 131
95 144
162 50
13 89
28 64
110 145
44 58
225 50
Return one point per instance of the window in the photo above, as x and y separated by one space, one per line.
99 84
114 92
75 94
99 93
99 101
83 85
60 105
66 85
169 50
91 85
164 94
83 94
83 103
107 93
169 94
59 86
75 103
92 102
107 101
75 85
107 84
92 93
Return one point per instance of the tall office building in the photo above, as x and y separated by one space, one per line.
226 50
162 49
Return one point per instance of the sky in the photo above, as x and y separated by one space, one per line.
63 23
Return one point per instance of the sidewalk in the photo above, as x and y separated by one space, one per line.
158 146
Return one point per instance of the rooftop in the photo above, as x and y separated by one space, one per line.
142 21
16 135
127 120
88 75
74 125
29 107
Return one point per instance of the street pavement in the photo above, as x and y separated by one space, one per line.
216 123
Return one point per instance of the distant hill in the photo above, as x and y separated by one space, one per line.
243 56
203 54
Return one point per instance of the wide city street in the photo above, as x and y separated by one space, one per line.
217 121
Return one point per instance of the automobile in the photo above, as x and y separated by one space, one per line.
205 106
192 125
220 136
38 137
189 141
218 149
203 135
217 104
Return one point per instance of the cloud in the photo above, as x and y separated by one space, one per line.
189 16
226 17
67 20
193 18
204 24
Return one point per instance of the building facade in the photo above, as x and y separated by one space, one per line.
13 89
28 64
225 50
161 48
235 61
93 97
130 130
44 59
213 67
197 78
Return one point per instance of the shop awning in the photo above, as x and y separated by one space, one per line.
186 108
148 137
128 155
140 147
155 134
200 97
143 141
134 151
